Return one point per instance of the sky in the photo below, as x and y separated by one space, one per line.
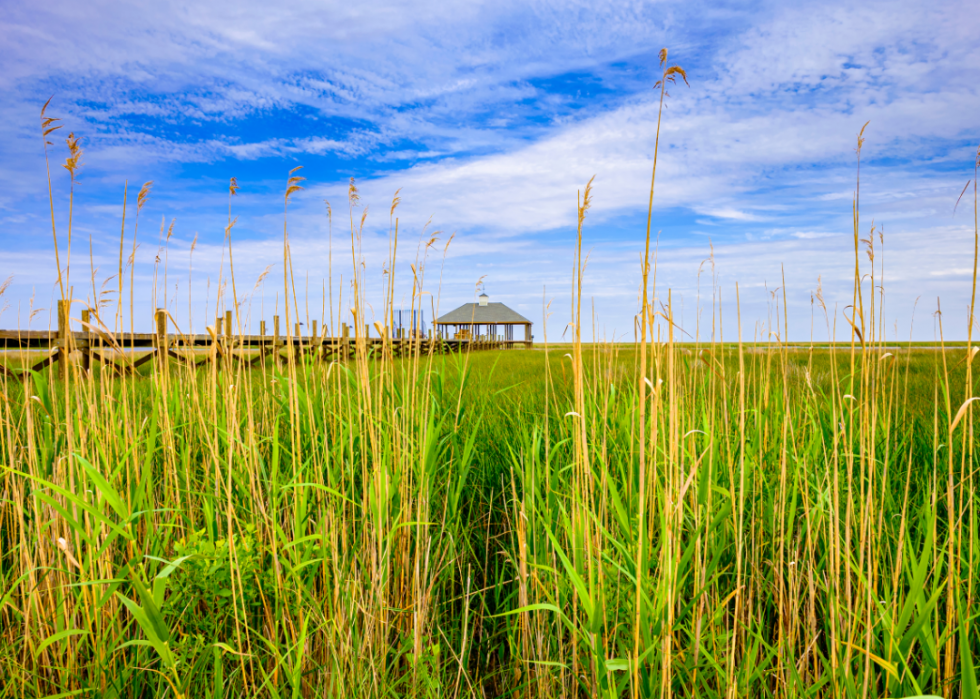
488 120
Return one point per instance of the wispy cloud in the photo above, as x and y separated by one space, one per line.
490 117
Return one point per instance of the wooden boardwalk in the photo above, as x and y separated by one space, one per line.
118 350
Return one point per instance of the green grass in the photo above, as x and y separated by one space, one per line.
451 541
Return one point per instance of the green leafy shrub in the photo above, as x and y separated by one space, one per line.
209 584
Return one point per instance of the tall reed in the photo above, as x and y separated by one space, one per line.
678 517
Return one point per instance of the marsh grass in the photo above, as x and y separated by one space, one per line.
703 518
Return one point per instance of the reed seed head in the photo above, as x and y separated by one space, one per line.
292 183
73 162
586 202
144 194
352 196
861 138
48 124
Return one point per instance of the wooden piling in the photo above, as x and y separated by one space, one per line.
162 340
64 337
262 349
86 341
275 339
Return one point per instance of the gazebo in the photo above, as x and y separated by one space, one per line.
484 321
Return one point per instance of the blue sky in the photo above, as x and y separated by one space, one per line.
489 118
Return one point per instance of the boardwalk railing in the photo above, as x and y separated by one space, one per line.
94 343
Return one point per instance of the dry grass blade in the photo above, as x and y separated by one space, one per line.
961 412
961 195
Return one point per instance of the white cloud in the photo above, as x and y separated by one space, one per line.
760 146
732 214
811 235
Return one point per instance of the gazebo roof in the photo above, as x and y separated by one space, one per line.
492 313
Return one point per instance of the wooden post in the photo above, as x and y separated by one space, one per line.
229 338
87 343
224 339
218 356
275 338
162 341
262 343
64 337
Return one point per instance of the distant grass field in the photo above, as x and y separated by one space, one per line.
435 532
